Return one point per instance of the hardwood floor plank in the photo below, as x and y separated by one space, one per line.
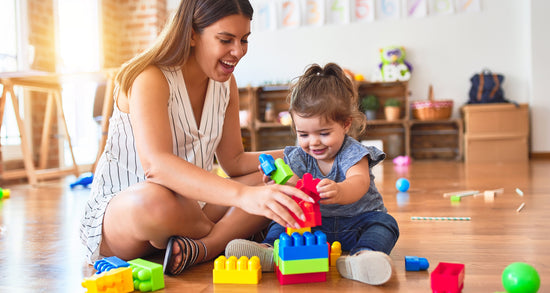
40 249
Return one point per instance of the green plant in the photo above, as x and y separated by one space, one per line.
370 102
392 102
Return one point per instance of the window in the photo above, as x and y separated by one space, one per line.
79 52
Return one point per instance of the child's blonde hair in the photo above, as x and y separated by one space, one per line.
329 93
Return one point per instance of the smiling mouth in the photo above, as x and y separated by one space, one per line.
228 64
318 152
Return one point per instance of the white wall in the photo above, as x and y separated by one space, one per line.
444 50
540 101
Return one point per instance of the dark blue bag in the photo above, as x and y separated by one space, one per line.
486 88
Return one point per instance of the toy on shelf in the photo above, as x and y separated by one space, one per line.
233 271
402 184
393 66
4 193
277 169
117 280
448 278
109 263
84 180
415 263
148 276
520 277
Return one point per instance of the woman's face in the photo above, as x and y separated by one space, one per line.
221 45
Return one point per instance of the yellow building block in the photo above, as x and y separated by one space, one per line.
289 230
117 280
335 253
233 271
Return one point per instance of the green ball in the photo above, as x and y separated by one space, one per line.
520 277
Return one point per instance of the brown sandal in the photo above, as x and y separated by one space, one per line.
189 251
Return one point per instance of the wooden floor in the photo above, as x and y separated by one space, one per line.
40 250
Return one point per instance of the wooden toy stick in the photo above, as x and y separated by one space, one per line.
442 218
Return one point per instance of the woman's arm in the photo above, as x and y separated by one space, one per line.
230 153
149 117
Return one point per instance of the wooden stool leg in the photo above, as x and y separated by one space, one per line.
25 146
57 96
45 141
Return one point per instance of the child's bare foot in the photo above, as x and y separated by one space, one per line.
241 247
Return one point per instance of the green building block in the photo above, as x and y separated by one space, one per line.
282 173
303 266
148 276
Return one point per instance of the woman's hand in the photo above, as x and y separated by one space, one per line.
275 202
328 191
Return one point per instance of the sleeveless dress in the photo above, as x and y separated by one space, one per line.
119 166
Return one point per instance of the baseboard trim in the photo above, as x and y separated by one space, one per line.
545 156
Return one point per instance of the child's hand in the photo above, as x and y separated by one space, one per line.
329 191
265 179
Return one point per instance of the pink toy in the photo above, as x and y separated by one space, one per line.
402 160
447 278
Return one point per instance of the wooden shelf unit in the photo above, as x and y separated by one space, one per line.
259 135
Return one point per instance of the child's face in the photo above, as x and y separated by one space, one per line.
221 45
319 138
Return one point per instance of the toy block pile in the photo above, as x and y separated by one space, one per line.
301 258
117 276
233 271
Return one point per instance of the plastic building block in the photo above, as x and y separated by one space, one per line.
415 263
309 186
306 246
335 253
109 263
117 280
233 271
312 212
300 278
84 180
301 231
301 266
277 170
282 173
447 278
148 276
4 193
267 163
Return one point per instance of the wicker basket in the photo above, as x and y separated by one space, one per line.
431 109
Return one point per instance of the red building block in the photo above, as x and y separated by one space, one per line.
300 278
447 278
309 186
312 211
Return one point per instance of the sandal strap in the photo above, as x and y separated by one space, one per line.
189 251
205 251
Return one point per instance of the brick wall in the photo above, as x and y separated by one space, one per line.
42 37
129 27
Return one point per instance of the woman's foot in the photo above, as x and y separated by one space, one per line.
370 267
241 247
181 253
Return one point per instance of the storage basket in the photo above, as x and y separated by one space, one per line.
431 109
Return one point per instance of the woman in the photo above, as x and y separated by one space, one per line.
176 107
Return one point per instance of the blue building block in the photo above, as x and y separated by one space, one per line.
84 180
414 263
109 263
301 247
267 163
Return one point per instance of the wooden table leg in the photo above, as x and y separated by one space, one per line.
45 141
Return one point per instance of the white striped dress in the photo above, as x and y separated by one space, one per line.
119 166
